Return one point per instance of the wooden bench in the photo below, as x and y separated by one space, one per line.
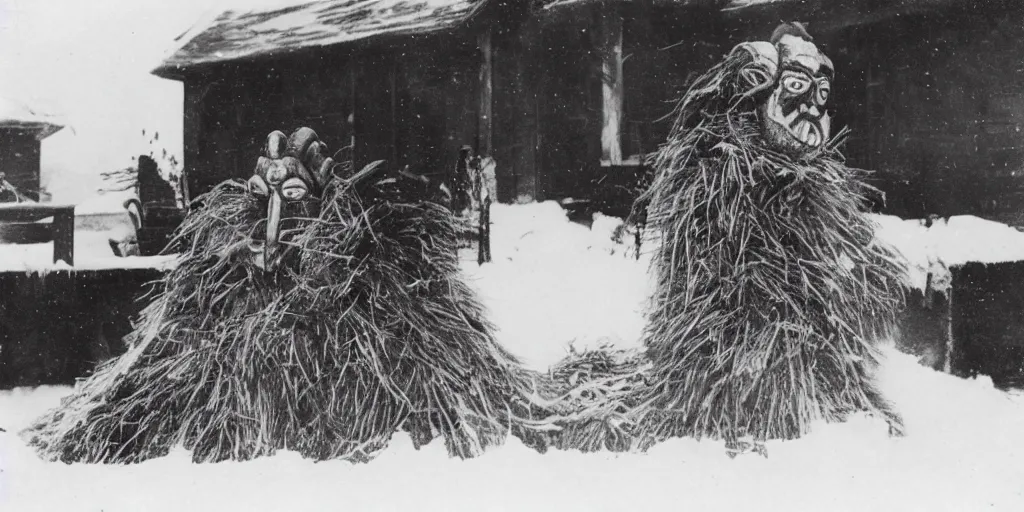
19 224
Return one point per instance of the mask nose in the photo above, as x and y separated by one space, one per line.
810 109
271 247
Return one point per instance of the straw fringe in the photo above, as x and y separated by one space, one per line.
373 331
770 294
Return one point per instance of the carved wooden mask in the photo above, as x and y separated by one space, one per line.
794 80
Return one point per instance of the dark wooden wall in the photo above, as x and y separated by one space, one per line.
20 160
56 327
664 47
415 100
987 315
435 109
570 102
229 112
935 102
517 123
408 103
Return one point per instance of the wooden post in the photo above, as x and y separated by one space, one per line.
352 63
485 127
64 235
485 145
193 128
950 363
484 232
611 87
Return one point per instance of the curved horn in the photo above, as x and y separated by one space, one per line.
760 71
277 143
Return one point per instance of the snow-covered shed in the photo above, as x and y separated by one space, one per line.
22 130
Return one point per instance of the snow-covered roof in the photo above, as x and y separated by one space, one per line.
729 5
236 34
14 114
852 9
239 34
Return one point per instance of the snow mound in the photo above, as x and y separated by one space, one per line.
947 243
92 252
966 238
555 283
109 202
961 452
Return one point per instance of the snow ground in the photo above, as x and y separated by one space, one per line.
553 282
92 252
98 219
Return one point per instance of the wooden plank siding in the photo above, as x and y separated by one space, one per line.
20 160
485 118
516 125
570 106
526 90
408 104
935 102
531 89
612 89
57 326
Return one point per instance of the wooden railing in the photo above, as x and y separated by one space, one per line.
19 224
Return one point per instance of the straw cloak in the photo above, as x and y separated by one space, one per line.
771 290
310 311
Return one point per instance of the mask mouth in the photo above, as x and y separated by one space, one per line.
270 243
807 131
803 131
804 128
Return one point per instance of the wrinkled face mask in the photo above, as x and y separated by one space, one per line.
290 191
794 115
799 77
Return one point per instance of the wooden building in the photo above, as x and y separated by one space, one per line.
933 91
22 131
537 85
568 94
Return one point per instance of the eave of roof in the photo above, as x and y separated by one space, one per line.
728 5
239 35
14 115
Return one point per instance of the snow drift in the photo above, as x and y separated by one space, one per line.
962 448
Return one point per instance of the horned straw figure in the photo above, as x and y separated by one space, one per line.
310 311
771 291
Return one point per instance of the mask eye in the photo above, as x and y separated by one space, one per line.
795 84
294 189
257 186
823 90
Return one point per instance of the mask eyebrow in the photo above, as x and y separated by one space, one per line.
824 71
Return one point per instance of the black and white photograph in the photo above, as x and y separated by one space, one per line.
511 255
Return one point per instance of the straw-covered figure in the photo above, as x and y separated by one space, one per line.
771 290
312 310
